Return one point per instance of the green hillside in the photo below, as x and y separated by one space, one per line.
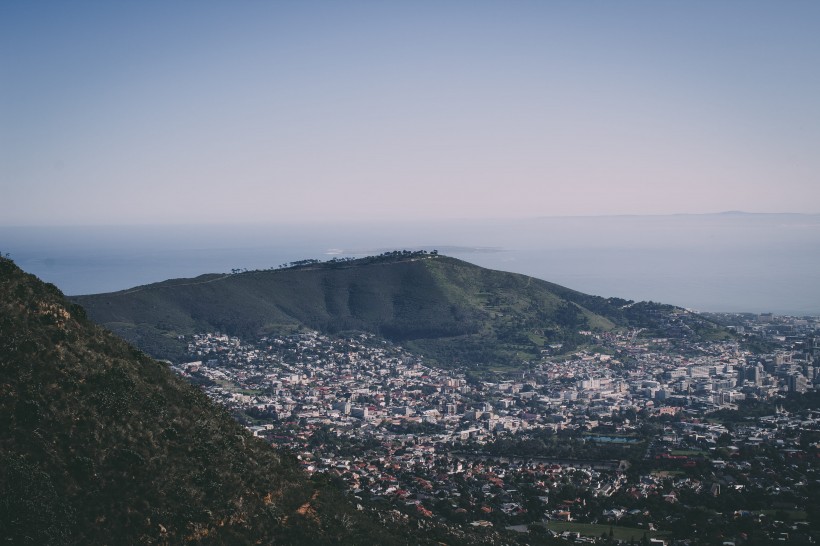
102 445
446 309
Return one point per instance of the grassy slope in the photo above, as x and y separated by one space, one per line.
102 445
426 303
447 309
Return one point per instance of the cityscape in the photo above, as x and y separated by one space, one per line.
410 273
641 439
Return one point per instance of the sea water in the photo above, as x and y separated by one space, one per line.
729 262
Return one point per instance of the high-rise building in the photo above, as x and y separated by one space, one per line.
797 382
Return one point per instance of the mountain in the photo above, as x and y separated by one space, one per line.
448 310
100 444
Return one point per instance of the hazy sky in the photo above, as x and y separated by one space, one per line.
143 112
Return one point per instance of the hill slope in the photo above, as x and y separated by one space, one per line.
447 309
102 445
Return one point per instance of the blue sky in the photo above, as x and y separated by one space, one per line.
224 112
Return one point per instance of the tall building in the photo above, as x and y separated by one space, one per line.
751 375
797 382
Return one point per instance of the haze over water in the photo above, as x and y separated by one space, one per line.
720 262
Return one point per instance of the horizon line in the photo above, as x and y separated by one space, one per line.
404 221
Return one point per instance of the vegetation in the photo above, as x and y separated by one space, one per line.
102 445
451 311
564 445
595 530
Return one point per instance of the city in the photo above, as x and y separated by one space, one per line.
640 439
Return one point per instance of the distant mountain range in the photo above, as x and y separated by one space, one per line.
449 310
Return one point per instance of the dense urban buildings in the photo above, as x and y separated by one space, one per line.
640 438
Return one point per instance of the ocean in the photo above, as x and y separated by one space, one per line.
730 262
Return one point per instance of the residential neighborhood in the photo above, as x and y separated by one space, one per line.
642 438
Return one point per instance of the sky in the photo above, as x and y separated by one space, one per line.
257 111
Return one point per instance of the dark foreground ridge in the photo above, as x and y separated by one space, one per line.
451 311
100 444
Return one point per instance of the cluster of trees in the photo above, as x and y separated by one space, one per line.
561 445
299 263
383 257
